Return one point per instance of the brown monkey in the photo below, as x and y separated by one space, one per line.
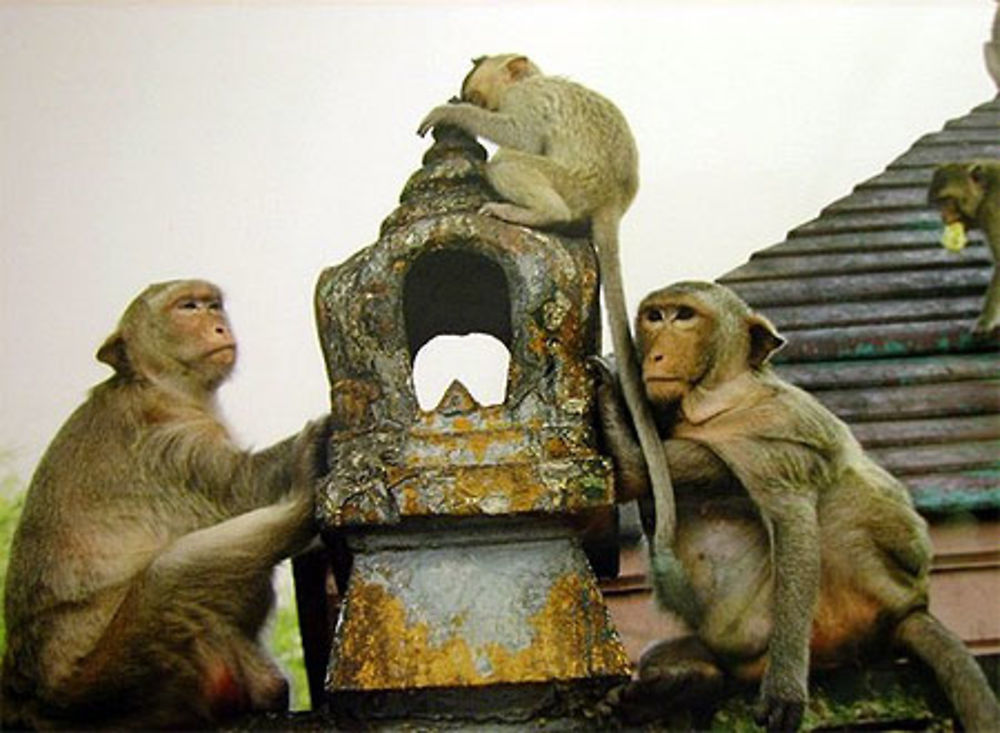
968 196
140 572
566 155
798 548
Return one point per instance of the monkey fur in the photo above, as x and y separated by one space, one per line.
968 197
566 155
799 548
140 572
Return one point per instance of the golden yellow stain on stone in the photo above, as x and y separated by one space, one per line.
572 639
471 446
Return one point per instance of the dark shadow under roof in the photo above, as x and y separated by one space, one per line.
878 317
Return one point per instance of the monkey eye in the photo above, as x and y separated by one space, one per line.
189 305
215 305
654 315
684 313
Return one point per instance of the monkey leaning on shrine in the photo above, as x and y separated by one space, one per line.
566 156
799 550
140 572
968 196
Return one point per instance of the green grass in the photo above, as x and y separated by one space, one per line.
285 642
11 501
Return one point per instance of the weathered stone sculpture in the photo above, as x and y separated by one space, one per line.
470 597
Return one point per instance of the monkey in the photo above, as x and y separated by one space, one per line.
566 156
968 197
800 549
991 50
140 571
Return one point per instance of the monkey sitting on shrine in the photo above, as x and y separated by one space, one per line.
797 549
140 572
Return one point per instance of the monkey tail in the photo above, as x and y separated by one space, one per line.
605 234
960 677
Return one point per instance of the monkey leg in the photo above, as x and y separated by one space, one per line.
184 636
956 670
530 184
989 318
673 674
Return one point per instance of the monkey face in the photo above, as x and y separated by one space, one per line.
491 76
175 332
696 334
957 193
674 339
196 325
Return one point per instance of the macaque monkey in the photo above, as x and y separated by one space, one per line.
566 156
140 572
798 548
968 196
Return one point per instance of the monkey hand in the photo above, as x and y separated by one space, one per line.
617 432
782 703
614 416
438 115
309 453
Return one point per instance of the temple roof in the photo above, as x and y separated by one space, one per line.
878 318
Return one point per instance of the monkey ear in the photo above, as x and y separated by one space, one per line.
764 341
518 68
114 354
977 174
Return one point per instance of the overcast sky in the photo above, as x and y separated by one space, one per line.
255 144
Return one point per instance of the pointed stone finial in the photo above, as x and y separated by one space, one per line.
457 401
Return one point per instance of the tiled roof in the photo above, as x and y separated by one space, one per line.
878 318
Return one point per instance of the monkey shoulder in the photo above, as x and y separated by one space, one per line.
575 117
776 439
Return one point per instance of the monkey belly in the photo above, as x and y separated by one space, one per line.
845 621
726 552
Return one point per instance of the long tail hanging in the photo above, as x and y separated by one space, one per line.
606 241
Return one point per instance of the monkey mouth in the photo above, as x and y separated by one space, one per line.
222 353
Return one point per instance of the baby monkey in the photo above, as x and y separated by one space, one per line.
566 155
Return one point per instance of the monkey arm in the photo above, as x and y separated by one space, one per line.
795 537
289 466
694 464
240 480
691 463
504 129
631 475
783 468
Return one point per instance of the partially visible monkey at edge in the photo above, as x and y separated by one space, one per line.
140 572
968 197
799 549
566 155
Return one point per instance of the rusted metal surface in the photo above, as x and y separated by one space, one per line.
470 597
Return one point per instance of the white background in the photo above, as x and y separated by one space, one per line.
254 144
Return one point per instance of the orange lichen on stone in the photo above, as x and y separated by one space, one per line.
572 638
379 650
